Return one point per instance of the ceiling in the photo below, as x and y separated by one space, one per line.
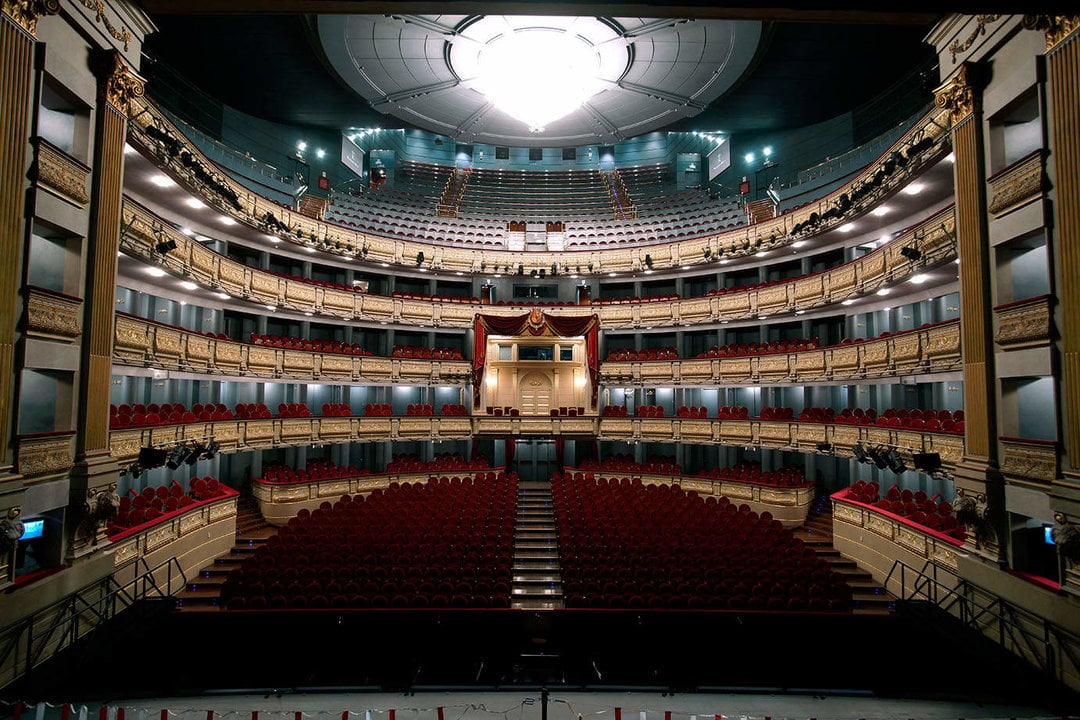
274 67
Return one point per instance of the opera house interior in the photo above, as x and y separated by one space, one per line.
627 363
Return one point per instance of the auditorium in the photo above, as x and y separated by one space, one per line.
576 358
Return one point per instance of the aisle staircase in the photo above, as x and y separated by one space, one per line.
452 193
868 597
537 583
203 592
312 206
760 211
622 205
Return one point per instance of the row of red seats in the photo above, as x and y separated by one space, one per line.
293 410
420 409
929 512
627 545
502 411
253 411
536 303
415 351
313 281
614 411
422 545
621 462
316 470
751 472
454 410
624 354
320 346
649 411
564 411
140 415
153 503
777 413
441 461
763 348
378 410
336 410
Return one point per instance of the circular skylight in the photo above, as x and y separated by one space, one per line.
537 80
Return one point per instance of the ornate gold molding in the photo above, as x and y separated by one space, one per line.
98 8
1017 186
121 85
1029 461
1023 324
60 174
53 316
1055 27
960 95
25 13
981 21
49 455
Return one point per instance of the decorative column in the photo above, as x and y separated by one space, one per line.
1063 88
18 24
977 479
95 474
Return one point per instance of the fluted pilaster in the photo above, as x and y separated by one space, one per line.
18 21
1063 85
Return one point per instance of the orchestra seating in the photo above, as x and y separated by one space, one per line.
424 545
915 506
530 194
154 503
415 351
627 545
622 463
443 461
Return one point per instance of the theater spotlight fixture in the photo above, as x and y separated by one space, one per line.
927 462
895 461
521 269
165 246
554 268
420 258
177 457
212 449
911 252
135 470
532 273
708 253
824 447
860 453
648 260
878 456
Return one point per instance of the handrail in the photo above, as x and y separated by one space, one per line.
33 639
1027 634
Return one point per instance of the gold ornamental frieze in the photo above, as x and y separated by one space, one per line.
53 315
59 174
1028 460
1056 27
1023 323
960 95
1018 185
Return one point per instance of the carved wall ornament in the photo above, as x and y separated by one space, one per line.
981 21
1022 325
25 13
960 95
52 316
1055 27
122 85
98 8
1067 538
1011 188
1034 462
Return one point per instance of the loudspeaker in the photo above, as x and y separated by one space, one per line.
911 253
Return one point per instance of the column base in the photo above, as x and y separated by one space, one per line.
92 476
980 481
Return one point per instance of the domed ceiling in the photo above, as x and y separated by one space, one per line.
542 80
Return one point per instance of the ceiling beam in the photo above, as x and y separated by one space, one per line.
667 97
915 12
413 92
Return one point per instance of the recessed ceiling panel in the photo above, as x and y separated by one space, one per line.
537 80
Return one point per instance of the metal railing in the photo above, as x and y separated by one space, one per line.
1046 645
33 639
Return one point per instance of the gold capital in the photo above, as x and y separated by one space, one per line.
1056 27
25 13
120 83
960 94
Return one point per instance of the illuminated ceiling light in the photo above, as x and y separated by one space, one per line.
308 248
538 75
384 264
307 314
423 269
919 279
846 228
320 153
914 188
187 231
271 307
883 292
613 274
183 303
648 272
767 152
798 243
749 157
223 296
195 203
226 220
762 317
685 267
188 285
951 157
128 150
155 272
273 238
763 253
956 261
724 322
499 275
799 312
203 239
725 261
162 181
848 302
879 211
301 146
459 273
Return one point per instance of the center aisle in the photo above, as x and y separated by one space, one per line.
537 582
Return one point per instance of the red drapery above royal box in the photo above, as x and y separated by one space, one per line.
536 323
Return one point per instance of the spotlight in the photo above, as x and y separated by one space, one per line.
194 454
177 457
211 450
911 253
554 268
151 457
420 258
878 456
166 245
707 252
648 260
135 470
896 463
543 272
521 269
824 447
927 462
860 453
532 273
